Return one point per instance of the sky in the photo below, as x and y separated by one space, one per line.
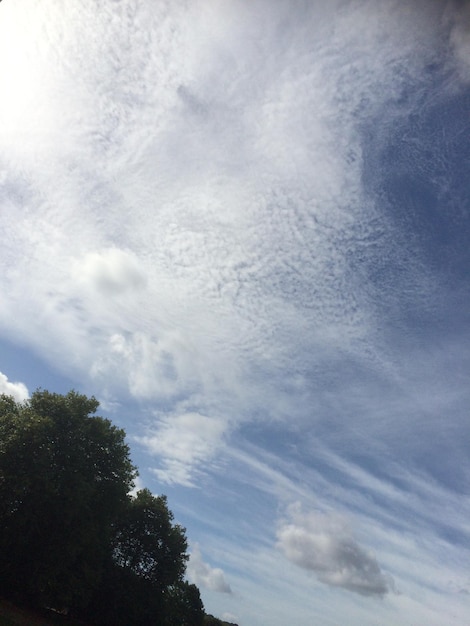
243 226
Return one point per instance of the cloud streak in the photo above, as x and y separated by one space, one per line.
185 442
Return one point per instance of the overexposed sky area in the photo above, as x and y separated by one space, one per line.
243 226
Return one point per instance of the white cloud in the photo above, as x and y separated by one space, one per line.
207 247
459 22
18 390
183 443
202 574
324 544
111 271
149 366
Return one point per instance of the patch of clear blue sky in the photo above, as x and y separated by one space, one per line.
422 170
21 364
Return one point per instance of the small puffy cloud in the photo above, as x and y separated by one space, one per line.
112 271
324 544
18 390
202 574
184 442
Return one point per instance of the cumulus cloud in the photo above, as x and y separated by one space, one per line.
183 443
324 544
204 575
112 271
18 390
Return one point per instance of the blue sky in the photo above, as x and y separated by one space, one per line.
243 226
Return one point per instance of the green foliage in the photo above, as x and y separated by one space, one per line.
148 544
124 599
184 606
64 476
146 565
70 535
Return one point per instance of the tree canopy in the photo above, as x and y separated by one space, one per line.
71 536
64 477
147 543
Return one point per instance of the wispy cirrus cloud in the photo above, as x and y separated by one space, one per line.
186 443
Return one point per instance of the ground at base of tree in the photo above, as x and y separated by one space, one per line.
12 615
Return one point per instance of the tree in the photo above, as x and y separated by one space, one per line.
65 475
184 605
147 543
71 536
145 571
210 620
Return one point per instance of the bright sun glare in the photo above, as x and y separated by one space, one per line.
22 65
